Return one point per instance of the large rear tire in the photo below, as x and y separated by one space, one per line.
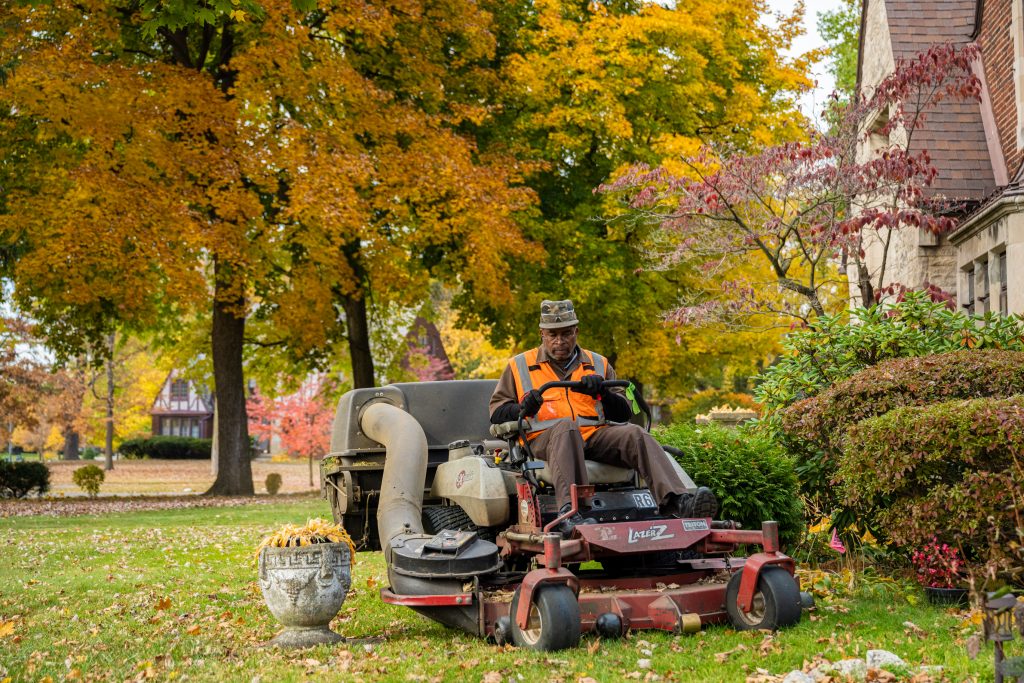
776 601
554 621
437 518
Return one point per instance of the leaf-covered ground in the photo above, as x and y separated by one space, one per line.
172 595
71 507
169 477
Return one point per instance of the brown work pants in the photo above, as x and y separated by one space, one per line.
623 445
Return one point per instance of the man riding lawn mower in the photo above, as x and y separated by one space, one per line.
571 427
548 515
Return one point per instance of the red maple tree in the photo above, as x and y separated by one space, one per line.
301 421
805 207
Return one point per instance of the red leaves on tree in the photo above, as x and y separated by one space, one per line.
301 421
801 204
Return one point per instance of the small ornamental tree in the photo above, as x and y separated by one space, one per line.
301 421
805 207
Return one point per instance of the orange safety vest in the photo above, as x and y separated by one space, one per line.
560 403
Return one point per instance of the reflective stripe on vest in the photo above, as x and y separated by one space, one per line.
559 403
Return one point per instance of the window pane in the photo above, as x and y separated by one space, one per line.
1003 309
179 390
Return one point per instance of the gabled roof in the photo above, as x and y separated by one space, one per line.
954 133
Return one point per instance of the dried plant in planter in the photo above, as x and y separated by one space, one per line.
313 531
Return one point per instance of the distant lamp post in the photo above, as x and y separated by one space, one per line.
1001 617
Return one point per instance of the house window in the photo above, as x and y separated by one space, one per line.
984 305
969 282
180 426
1001 274
179 390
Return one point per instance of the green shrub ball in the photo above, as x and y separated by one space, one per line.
750 474
88 479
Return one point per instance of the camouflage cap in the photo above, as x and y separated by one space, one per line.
557 314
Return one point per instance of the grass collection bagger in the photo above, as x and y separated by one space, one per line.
466 517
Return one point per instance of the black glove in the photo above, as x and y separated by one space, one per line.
591 385
531 403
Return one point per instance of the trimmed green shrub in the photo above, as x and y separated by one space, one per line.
835 350
752 477
91 453
273 483
88 479
814 430
824 419
951 470
167 448
18 479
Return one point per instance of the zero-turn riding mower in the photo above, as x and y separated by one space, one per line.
466 519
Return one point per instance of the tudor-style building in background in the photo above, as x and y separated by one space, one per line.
181 409
977 147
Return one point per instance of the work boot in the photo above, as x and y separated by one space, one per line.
699 504
566 526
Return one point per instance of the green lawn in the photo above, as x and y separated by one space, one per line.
172 596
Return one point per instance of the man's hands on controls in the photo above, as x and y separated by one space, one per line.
591 385
531 403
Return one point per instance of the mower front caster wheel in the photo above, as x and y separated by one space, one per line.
554 620
776 601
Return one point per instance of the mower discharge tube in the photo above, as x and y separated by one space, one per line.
400 511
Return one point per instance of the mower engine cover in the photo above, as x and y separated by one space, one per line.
449 554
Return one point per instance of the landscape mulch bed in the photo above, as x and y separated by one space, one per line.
69 507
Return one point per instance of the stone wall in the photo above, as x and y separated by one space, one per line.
990 253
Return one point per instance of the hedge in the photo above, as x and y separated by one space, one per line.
167 448
752 477
824 419
952 469
18 479
837 347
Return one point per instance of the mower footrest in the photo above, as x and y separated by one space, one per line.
450 600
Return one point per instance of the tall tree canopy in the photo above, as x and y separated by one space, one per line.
287 161
807 211
587 89
841 30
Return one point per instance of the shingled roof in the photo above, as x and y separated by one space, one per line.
953 134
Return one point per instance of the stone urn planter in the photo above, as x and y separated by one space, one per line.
305 574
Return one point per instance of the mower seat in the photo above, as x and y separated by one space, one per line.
597 473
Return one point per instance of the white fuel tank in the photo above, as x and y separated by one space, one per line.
476 488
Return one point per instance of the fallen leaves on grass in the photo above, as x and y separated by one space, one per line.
68 507
723 656
768 645
914 629
6 628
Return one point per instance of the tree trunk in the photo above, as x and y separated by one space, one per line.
234 469
109 441
359 342
214 451
70 443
